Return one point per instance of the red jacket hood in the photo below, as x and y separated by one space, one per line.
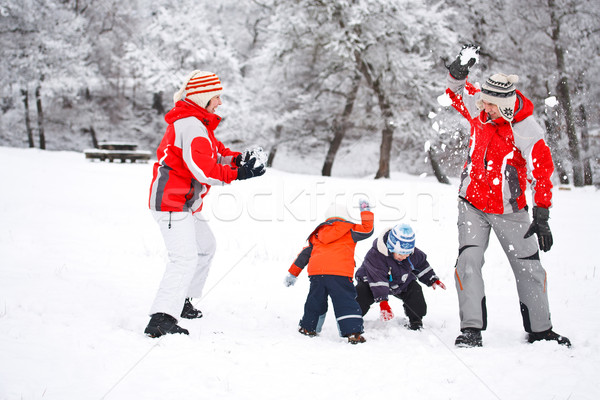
332 230
184 109
523 109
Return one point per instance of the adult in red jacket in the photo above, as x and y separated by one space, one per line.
330 259
189 161
506 146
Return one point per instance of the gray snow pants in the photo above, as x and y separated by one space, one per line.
523 254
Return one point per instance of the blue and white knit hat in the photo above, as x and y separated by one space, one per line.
401 239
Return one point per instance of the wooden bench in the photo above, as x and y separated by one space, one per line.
117 146
117 151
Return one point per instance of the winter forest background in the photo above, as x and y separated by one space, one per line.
354 83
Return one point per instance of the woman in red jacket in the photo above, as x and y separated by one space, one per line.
330 259
189 161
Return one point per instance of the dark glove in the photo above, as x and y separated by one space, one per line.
248 170
457 69
242 158
540 226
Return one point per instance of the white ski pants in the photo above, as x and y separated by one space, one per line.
474 227
191 246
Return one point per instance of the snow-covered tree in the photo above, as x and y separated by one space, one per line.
42 52
328 50
552 45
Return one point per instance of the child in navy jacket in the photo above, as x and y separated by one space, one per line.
392 266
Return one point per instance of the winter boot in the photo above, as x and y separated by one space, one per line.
356 338
189 311
470 337
161 324
306 332
549 335
414 325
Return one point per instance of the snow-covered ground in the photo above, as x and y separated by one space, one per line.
81 258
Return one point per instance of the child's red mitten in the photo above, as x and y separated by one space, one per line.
386 312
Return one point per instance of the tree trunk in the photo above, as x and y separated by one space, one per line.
157 103
588 177
565 100
553 138
273 151
385 150
564 96
387 134
94 138
340 126
437 169
40 114
24 92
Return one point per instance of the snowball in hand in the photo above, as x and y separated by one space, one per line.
467 53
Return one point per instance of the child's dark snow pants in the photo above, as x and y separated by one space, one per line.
343 296
415 306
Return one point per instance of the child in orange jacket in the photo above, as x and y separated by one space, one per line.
330 259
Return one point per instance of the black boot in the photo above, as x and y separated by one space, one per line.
549 335
414 325
470 337
161 324
189 311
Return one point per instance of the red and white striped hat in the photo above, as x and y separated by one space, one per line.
199 87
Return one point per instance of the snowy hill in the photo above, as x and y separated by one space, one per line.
81 258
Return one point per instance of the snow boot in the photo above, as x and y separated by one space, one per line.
470 337
306 332
414 325
549 335
161 324
356 338
189 311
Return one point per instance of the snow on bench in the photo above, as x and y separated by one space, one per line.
117 151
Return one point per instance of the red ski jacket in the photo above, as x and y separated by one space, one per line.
502 156
189 160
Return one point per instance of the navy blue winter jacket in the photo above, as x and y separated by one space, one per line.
387 276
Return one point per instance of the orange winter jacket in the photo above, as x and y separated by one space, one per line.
330 249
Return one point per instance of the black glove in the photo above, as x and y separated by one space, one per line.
540 226
242 158
458 70
248 170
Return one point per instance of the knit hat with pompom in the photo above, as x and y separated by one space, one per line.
199 87
401 240
500 90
